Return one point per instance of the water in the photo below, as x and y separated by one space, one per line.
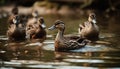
104 54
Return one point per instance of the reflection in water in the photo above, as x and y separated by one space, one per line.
103 54
17 50
97 59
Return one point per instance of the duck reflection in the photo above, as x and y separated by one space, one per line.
23 51
58 56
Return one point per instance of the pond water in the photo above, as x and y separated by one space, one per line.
103 54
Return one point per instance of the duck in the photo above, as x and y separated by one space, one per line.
16 31
62 44
89 29
36 30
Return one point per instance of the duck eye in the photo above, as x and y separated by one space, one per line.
60 25
92 17
57 24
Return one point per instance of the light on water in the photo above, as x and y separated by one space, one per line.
84 60
34 44
40 66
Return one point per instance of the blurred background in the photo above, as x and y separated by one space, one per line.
73 5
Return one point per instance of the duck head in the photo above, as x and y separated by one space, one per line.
58 25
92 18
41 21
15 10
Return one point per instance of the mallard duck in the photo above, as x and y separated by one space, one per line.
62 44
36 30
89 29
16 31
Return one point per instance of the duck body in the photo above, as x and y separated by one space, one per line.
16 34
89 29
62 44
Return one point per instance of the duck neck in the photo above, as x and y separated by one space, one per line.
60 36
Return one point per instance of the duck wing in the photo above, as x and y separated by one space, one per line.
71 45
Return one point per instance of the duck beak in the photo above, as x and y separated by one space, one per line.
14 21
43 26
52 27
94 21
34 14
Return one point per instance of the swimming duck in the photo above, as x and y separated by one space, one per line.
16 31
62 44
36 30
89 29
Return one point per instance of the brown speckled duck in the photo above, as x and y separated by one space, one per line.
89 29
62 44
16 31
36 30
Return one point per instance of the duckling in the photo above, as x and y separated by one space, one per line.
89 29
16 31
36 30
62 44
